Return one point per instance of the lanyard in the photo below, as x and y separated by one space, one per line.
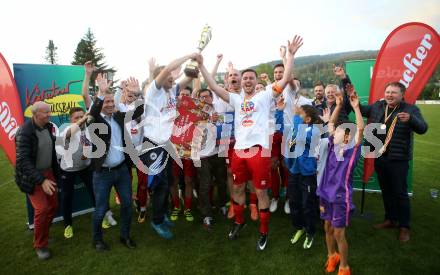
386 113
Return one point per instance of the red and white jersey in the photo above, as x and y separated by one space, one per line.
252 116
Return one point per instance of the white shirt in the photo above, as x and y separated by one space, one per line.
220 105
252 119
115 153
72 156
208 135
136 131
292 99
160 113
226 119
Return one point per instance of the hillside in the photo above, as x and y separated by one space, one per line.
317 67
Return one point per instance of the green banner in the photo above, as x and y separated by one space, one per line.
360 72
60 87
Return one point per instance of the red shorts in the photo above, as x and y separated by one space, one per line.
189 170
230 153
249 164
277 139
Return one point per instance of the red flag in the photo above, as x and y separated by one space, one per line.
11 115
409 55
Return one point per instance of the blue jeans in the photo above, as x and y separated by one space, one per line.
102 185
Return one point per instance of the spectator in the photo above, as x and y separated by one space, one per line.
398 121
36 170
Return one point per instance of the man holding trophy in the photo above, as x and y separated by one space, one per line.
160 113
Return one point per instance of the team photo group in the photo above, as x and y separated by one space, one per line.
249 139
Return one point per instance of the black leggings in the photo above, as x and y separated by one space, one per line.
67 182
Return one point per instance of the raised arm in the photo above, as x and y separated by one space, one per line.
335 114
103 89
219 91
166 72
197 85
185 82
217 64
354 102
346 86
88 71
283 54
75 127
292 47
151 68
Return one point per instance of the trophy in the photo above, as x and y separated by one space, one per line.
191 70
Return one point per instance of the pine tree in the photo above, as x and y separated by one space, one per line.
51 53
87 50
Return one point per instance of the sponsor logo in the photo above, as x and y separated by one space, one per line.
247 107
37 94
153 156
412 64
7 121
247 123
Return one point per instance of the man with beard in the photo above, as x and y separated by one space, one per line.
251 159
319 101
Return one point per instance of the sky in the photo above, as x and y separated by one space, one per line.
245 32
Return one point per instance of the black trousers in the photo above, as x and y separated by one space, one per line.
211 168
392 176
67 183
303 202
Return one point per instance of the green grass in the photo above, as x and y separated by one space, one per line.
195 251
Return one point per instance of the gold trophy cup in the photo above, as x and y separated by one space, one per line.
191 70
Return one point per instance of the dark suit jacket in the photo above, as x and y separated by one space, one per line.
95 113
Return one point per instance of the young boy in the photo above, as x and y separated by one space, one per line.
335 190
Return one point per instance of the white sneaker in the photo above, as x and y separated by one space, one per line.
287 207
273 205
110 219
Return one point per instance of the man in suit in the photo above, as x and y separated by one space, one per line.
110 166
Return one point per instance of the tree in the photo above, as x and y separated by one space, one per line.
51 53
265 68
87 51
